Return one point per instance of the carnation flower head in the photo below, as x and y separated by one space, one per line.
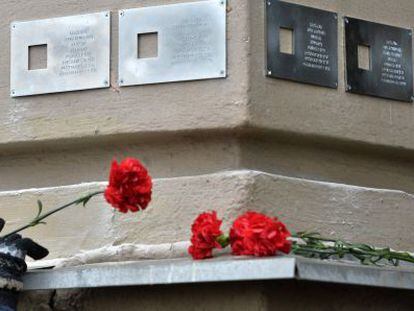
255 234
205 231
130 186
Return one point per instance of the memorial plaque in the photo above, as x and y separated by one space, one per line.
313 54
387 71
75 49
189 39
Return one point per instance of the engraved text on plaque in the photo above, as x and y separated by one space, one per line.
77 50
313 56
190 39
389 72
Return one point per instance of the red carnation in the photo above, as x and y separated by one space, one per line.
255 234
206 230
130 186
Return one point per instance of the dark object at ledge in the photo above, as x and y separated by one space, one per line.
13 251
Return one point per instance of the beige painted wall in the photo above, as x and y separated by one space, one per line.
277 105
245 99
201 127
190 128
208 104
336 210
184 130
202 153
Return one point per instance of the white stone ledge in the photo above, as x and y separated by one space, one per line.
221 269
376 216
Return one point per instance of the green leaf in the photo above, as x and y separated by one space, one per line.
85 201
40 208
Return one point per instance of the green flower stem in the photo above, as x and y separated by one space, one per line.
312 245
40 217
223 240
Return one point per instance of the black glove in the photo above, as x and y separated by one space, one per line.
13 251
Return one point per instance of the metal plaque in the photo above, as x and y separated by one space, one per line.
191 43
77 50
390 65
314 54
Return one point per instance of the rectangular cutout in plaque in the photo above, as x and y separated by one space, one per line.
388 73
286 41
60 54
189 43
37 57
302 44
148 45
364 57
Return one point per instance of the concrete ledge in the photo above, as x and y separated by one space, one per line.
221 269
354 274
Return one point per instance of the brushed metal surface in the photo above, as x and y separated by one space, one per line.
157 272
220 269
78 54
191 43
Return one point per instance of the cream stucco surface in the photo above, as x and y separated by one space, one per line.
320 159
278 105
381 217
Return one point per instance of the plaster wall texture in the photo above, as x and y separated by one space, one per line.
171 107
278 105
381 217
245 100
165 156
199 127
313 142
185 155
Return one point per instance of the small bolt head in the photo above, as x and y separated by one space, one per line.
121 81
106 82
121 13
269 72
348 87
346 20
